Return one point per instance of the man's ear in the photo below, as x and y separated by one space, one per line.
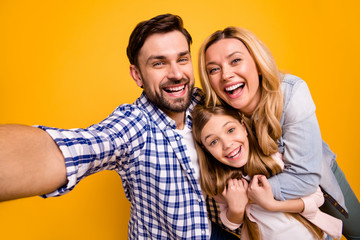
135 74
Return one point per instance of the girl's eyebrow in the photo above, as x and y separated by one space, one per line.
223 126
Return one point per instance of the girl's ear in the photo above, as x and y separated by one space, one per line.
136 75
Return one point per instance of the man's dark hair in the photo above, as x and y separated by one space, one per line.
160 24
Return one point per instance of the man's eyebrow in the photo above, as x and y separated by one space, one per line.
157 57
161 57
184 53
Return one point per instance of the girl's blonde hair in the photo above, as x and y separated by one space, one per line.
214 174
265 118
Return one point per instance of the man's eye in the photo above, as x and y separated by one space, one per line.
183 60
156 64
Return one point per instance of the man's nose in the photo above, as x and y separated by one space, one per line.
174 71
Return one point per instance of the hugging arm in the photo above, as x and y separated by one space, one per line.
30 162
302 145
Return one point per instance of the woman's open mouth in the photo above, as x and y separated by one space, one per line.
234 89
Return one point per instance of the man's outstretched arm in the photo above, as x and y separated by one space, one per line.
30 162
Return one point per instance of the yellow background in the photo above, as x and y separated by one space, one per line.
63 64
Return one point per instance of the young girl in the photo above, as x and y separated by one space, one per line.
227 152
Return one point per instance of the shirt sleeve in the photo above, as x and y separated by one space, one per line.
302 153
225 220
330 225
91 150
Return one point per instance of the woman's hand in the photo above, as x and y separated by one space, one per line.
259 192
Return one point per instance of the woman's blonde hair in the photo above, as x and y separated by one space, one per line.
214 174
265 118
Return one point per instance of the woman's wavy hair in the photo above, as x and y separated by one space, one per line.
265 118
214 174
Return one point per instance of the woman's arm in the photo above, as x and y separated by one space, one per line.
301 143
260 192
30 162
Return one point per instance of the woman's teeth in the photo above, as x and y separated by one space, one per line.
234 87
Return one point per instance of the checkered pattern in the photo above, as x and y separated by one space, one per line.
139 142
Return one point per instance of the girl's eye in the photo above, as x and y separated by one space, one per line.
212 143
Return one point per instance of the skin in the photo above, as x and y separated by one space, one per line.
166 73
30 162
233 74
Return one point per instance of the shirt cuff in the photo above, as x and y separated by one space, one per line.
71 170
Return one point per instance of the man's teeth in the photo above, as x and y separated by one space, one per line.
175 89
233 87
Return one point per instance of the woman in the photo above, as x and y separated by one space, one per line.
237 69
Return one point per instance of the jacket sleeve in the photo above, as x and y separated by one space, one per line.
301 144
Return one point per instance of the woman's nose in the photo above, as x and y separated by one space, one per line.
227 73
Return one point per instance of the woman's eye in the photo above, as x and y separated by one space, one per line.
212 70
236 60
212 143
231 130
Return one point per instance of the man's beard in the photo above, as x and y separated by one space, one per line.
177 105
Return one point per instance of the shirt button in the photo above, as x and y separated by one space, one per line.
177 138
199 199
189 171
203 232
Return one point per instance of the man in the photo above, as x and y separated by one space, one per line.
149 143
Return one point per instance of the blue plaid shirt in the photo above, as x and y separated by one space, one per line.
138 141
